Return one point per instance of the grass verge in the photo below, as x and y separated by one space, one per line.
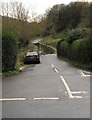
10 73
51 42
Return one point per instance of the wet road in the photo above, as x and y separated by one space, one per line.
52 89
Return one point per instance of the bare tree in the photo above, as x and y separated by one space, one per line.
7 9
15 10
2 9
33 16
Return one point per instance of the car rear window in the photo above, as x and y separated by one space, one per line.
31 53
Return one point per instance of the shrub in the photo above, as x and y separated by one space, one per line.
9 51
85 52
79 50
64 48
75 50
78 33
58 47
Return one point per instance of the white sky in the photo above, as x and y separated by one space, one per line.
40 6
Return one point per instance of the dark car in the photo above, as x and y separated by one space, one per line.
32 57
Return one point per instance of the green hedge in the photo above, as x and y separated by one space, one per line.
64 49
78 33
58 47
78 51
86 51
75 50
9 51
76 45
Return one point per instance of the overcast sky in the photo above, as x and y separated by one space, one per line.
40 6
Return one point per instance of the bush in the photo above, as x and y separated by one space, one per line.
78 50
64 48
9 51
85 52
78 33
58 47
75 50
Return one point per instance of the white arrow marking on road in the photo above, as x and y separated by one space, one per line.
13 99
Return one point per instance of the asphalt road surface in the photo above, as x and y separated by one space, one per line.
52 89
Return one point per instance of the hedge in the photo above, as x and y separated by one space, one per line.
79 51
58 47
9 51
64 49
78 33
75 50
76 45
86 52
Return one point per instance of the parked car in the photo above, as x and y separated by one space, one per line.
32 57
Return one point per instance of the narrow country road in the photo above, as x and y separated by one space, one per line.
52 89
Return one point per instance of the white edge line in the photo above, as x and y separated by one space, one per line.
67 88
12 99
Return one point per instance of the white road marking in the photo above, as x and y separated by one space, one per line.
52 65
46 98
56 70
78 92
86 72
13 99
83 75
77 97
67 87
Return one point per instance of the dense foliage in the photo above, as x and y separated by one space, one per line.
22 29
73 21
79 49
61 16
9 51
78 33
